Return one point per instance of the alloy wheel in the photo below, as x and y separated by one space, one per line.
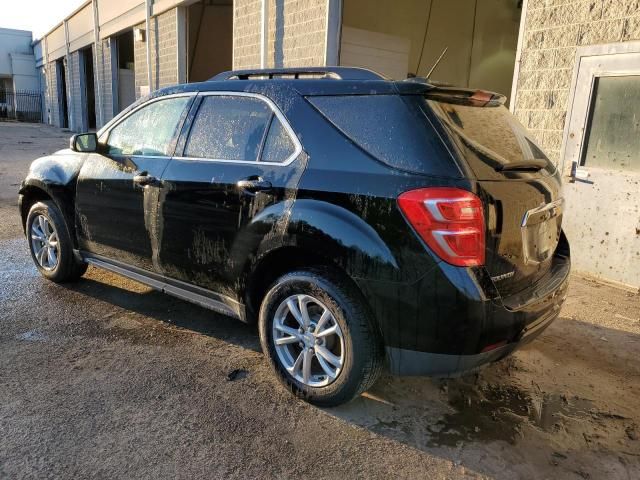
44 242
308 340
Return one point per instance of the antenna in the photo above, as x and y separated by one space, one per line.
437 62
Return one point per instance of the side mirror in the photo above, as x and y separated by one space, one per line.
84 142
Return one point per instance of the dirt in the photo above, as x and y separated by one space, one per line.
107 378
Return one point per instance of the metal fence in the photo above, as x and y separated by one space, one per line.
24 106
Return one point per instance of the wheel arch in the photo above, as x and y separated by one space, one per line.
278 262
34 190
316 234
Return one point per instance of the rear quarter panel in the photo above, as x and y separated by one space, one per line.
345 210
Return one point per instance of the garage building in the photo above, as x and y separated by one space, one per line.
570 70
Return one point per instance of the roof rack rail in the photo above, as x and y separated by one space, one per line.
335 73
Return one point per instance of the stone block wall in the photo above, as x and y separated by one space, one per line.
102 73
553 30
75 104
246 34
42 76
297 33
163 39
52 94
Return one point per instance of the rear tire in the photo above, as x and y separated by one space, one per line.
340 346
50 244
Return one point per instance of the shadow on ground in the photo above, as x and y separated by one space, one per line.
566 406
137 304
558 408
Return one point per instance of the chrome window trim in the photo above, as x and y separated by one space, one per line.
117 155
277 112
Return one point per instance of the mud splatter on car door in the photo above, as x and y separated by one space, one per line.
117 189
229 190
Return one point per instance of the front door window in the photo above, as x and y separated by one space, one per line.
149 131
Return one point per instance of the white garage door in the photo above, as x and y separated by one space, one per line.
386 54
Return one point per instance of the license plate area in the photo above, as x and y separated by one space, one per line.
541 232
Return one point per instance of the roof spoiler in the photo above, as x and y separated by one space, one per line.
447 93
335 73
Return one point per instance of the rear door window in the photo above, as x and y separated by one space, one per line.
228 128
278 146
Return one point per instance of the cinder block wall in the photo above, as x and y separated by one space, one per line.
246 33
42 76
52 94
102 74
163 39
75 105
297 33
552 32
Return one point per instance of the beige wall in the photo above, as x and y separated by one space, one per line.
116 15
56 43
481 36
551 34
210 40
80 28
163 40
494 45
246 34
400 18
297 33
111 9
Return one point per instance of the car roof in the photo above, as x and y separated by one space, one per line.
304 81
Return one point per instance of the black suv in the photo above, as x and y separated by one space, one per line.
355 219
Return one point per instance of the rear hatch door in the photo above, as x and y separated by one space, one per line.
520 187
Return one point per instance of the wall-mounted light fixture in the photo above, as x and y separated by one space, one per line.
138 35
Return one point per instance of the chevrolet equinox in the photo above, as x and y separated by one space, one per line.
357 220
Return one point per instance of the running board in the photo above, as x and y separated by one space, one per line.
171 287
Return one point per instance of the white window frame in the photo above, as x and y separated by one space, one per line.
580 96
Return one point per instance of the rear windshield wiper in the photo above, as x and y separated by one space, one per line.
523 166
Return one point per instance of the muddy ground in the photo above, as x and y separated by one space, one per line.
106 378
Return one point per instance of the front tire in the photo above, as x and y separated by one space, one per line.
318 337
50 244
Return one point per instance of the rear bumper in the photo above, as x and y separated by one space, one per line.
452 322
412 362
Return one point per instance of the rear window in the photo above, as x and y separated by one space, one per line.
491 136
390 129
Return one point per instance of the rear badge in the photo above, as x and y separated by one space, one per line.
504 276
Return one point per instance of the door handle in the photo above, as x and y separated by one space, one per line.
254 184
574 172
143 179
579 174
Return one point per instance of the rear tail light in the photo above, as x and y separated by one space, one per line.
450 221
